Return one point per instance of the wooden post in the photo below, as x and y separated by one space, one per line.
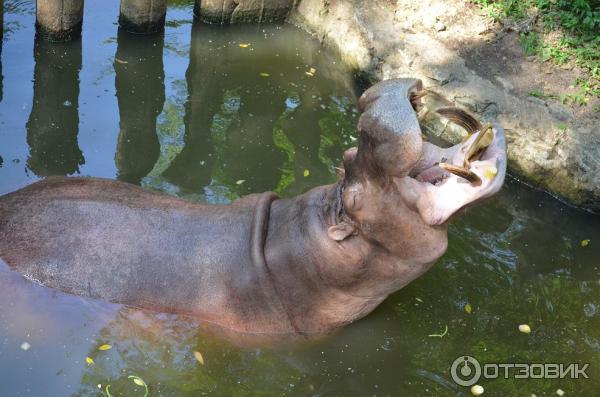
143 16
242 11
59 20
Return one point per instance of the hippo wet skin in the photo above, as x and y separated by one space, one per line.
263 264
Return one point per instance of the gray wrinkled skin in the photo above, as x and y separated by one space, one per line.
261 265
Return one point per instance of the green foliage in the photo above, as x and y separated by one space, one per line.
578 22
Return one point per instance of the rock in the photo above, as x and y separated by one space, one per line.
565 163
429 21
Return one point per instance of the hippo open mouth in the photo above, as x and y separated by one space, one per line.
437 181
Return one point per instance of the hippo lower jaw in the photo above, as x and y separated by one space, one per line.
450 183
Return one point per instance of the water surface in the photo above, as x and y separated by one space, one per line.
212 114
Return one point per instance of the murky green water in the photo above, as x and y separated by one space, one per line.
197 115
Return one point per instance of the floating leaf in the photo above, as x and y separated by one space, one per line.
137 380
309 74
313 70
440 335
468 308
25 346
244 45
263 74
105 347
419 300
89 361
306 173
477 390
120 61
140 382
524 328
199 357
240 181
585 243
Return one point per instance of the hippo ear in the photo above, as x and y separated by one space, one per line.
340 231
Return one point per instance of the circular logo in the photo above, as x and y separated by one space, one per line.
465 371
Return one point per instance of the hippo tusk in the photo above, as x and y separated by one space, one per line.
462 172
415 98
460 118
481 142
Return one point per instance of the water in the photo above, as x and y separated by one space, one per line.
197 115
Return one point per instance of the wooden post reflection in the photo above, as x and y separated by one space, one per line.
140 88
54 120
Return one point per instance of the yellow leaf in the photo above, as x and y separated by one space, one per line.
477 390
138 381
240 181
585 243
468 308
263 74
306 173
199 357
524 328
313 70
89 361
105 347
244 45
309 74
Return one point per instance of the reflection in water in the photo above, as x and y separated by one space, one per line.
54 120
245 106
140 90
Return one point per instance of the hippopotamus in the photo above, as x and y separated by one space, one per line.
263 264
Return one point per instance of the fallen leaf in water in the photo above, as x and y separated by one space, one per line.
560 392
477 390
25 346
490 172
585 243
468 308
419 300
240 181
524 328
440 335
263 74
313 70
120 61
137 380
89 361
140 382
244 45
306 173
105 347
309 74
199 357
